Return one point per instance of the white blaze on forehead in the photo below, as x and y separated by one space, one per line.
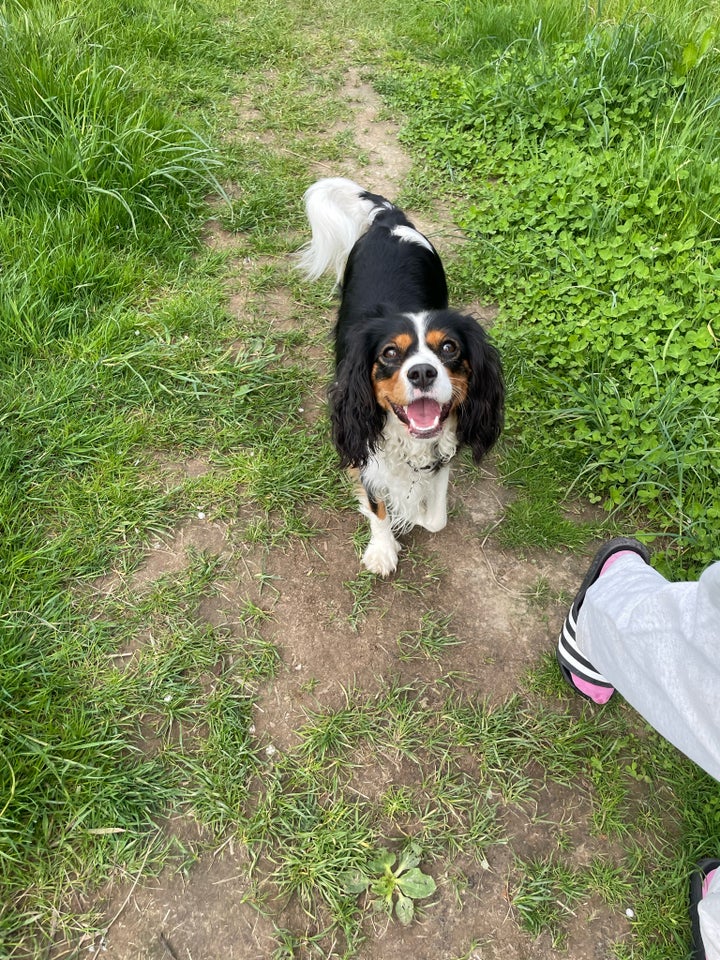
442 388
411 235
420 321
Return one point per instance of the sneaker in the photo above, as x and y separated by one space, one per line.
575 668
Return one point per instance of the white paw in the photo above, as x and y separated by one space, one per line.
381 558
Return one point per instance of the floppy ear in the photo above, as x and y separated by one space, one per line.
480 417
357 418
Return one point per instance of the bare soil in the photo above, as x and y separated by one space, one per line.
205 911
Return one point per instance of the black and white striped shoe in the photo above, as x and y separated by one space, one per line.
572 663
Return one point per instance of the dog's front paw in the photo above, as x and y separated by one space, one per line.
381 558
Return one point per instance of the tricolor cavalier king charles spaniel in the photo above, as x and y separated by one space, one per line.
414 380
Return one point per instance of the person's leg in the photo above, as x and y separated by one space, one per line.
658 643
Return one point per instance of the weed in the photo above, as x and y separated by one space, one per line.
399 885
418 572
397 802
362 591
315 840
545 895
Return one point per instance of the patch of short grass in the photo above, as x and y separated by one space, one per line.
547 891
430 641
363 596
451 813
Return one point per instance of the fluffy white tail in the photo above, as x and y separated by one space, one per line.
338 215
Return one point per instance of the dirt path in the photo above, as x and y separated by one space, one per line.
205 912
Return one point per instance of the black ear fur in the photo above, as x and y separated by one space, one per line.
480 417
357 418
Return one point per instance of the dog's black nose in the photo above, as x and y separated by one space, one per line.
422 375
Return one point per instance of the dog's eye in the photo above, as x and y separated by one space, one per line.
448 348
390 352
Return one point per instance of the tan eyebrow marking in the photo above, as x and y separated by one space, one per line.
434 338
403 341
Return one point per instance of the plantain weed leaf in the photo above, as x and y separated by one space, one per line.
381 905
410 857
382 861
416 884
706 41
689 56
354 881
404 909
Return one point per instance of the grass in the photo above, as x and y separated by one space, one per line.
431 640
546 895
125 702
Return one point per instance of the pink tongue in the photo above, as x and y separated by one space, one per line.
423 413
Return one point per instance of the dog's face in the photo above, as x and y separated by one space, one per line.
420 372
421 368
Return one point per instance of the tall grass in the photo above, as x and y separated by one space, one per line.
100 198
97 182
481 27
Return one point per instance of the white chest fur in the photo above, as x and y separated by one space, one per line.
411 476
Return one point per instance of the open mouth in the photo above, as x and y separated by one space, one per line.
423 417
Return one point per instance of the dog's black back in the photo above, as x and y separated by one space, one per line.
387 276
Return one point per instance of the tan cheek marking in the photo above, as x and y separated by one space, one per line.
390 390
459 382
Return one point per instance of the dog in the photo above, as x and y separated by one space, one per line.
414 380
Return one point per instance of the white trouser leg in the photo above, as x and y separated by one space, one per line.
658 643
709 914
